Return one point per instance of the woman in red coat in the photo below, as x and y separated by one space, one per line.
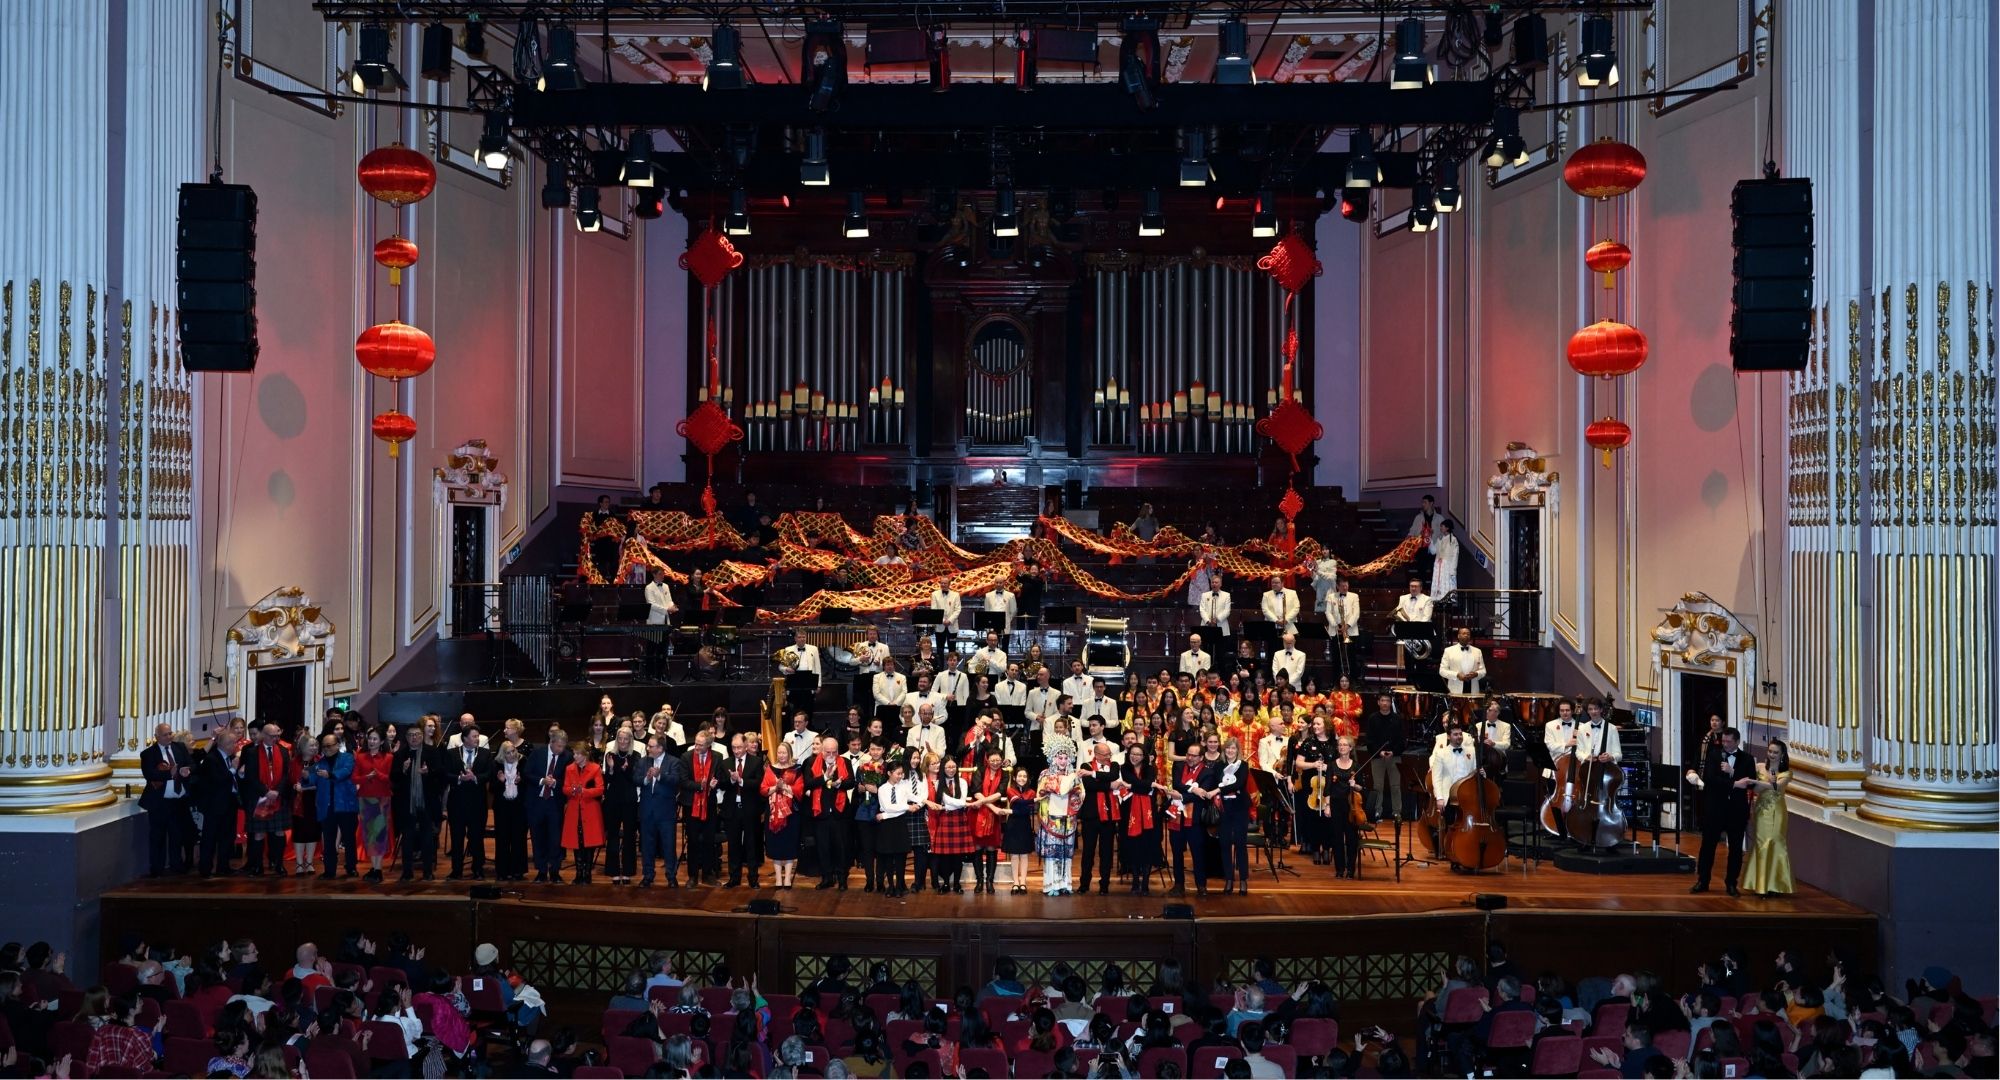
583 814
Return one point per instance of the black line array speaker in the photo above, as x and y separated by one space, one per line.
1771 231
215 261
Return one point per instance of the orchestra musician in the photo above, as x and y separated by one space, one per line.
868 654
956 688
1463 667
1310 763
1289 661
888 689
1382 734
1098 705
1325 575
1274 750
659 600
1001 599
1195 660
1281 606
1077 685
949 603
1414 607
1424 526
1342 775
1492 731
1343 622
1011 694
1450 763
1215 605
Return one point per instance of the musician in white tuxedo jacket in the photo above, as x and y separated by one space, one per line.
1343 612
1464 666
1215 605
1002 600
659 600
1290 662
948 603
1280 605
805 656
1195 660
1451 762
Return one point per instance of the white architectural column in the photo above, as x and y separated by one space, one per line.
153 416
55 333
1931 457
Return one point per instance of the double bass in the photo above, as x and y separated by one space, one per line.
1594 818
1474 842
1551 815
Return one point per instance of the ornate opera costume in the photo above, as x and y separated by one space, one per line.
1058 801
1444 567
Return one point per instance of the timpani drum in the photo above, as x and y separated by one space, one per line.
1534 710
1411 703
1465 708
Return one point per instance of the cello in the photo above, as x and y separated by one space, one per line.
1475 842
1595 819
1551 815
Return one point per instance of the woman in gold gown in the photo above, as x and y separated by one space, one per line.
1768 870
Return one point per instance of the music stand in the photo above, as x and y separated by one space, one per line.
1271 792
1211 639
995 621
1261 631
1066 615
802 684
927 616
833 616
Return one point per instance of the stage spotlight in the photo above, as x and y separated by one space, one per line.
436 53
855 225
1195 170
823 59
1363 171
589 218
1354 205
813 169
650 203
1139 61
738 221
475 37
1024 59
1423 208
1264 218
725 60
559 68
1494 32
1600 58
1151 221
372 68
1232 58
1506 147
637 170
555 190
1449 195
1006 221
493 142
1531 43
1410 71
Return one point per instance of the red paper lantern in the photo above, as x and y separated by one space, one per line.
1607 435
396 252
1607 257
394 428
395 350
1604 168
397 175
1606 349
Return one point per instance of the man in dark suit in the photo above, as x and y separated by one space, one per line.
542 775
219 796
1726 776
417 785
266 782
743 810
465 806
658 777
1101 815
168 768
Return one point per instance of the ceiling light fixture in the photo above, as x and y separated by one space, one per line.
589 218
1531 43
738 221
475 37
555 190
1449 196
725 60
1354 205
1232 59
493 142
1151 221
1423 207
1006 221
813 169
637 170
1363 171
1195 170
559 69
1600 56
1410 70
372 69
1506 146
436 53
1264 218
855 225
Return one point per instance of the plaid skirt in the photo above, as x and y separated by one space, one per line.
951 832
920 833
277 823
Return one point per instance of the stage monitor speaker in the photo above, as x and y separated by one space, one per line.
1488 901
1177 911
764 906
484 892
1771 229
215 262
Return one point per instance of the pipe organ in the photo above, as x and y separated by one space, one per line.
818 353
999 386
1187 357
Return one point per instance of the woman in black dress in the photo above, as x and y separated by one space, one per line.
1233 831
1140 845
1018 838
1343 781
1310 764
1195 782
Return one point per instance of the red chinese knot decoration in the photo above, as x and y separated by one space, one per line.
1607 435
1607 257
1607 349
710 257
394 428
1292 427
1604 168
396 253
397 175
1291 263
395 350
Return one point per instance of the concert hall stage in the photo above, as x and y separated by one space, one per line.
1377 941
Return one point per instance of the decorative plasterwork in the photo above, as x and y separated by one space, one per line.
1753 46
285 625
1521 479
1701 635
470 476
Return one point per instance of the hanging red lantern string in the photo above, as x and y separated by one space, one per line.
394 428
396 253
1291 263
1606 349
396 175
395 350
1607 435
1604 168
710 257
1607 257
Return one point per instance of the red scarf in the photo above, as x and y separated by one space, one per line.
1190 769
1140 818
986 826
272 765
703 766
1107 803
840 772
